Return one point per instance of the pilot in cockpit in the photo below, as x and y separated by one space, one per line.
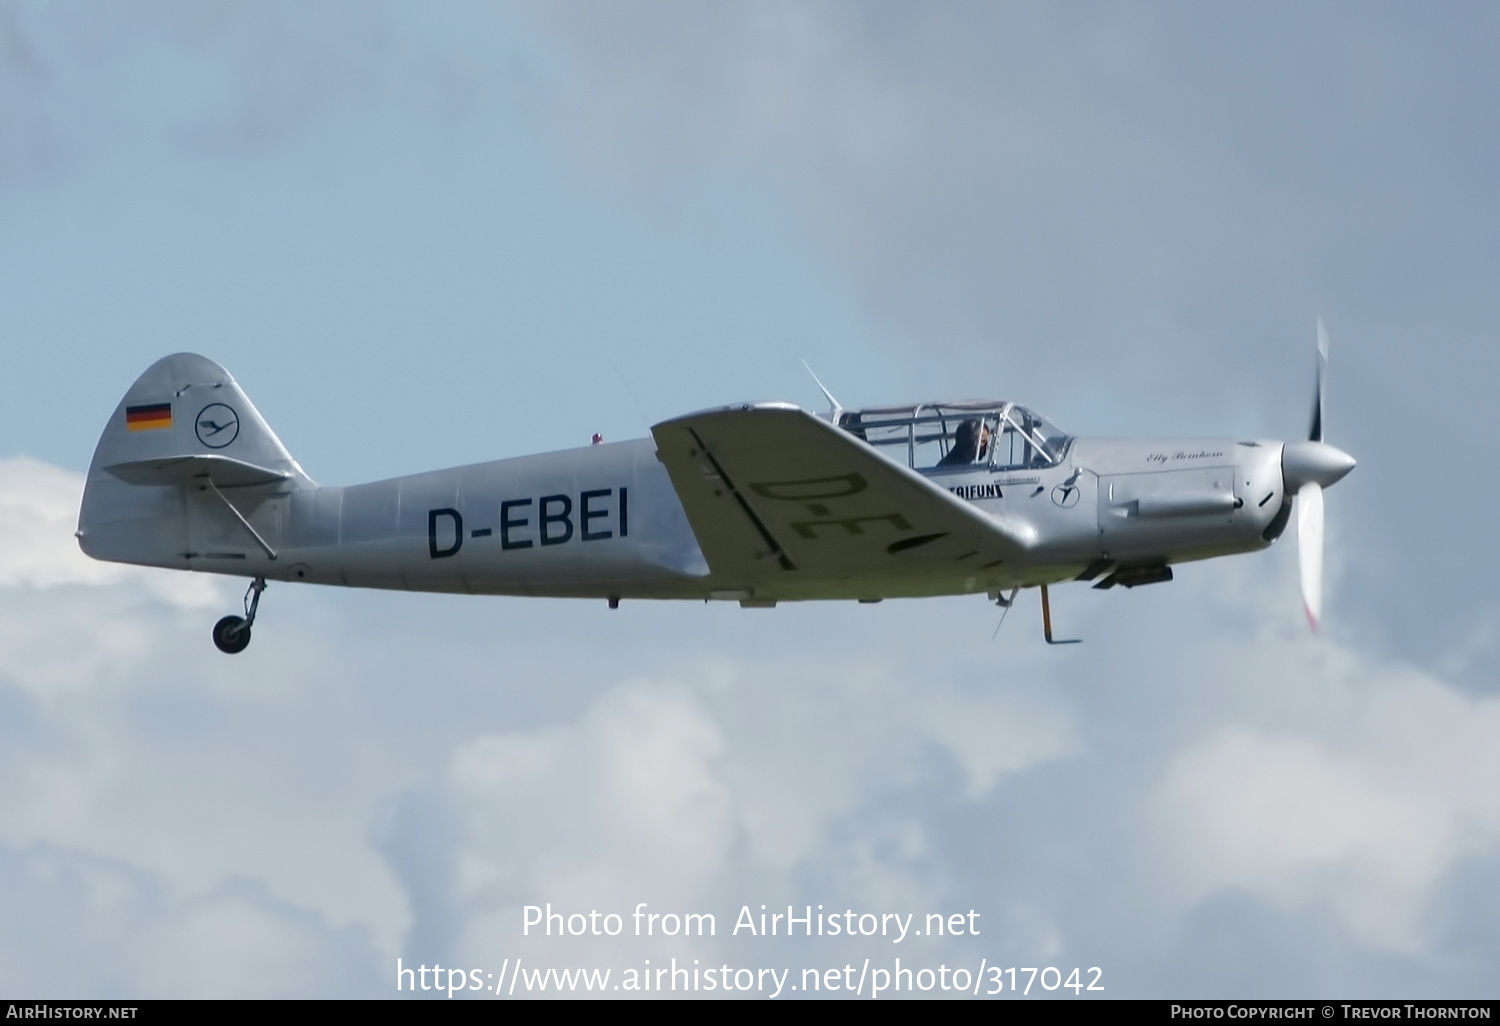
971 442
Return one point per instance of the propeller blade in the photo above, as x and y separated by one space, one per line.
1310 548
1315 433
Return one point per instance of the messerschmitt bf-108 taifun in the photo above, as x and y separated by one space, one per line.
757 503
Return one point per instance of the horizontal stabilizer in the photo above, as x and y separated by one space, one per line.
776 495
223 471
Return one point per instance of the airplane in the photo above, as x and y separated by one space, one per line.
758 503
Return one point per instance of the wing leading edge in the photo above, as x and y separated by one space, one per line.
779 500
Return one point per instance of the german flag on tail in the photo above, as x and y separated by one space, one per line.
148 418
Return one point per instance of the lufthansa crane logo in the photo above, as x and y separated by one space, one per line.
1065 495
217 425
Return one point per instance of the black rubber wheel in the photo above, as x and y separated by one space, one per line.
231 634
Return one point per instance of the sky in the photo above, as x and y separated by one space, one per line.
428 235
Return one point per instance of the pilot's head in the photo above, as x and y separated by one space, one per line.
966 440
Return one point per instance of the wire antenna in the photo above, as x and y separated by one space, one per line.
837 407
631 392
1005 611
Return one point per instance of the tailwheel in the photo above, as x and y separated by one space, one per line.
232 633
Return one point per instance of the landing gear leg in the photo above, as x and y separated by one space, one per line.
232 633
1047 623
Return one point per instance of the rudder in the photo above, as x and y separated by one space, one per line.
183 432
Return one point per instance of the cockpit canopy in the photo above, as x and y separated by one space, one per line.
939 437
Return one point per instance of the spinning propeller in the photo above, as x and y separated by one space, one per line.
1306 469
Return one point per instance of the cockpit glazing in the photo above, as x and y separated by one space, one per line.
959 436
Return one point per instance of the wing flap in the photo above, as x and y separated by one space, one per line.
775 494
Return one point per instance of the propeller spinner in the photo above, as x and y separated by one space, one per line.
1306 469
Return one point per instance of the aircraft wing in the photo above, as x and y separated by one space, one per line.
776 494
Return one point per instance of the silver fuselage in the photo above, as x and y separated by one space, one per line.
604 521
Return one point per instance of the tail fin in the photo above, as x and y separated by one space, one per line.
183 434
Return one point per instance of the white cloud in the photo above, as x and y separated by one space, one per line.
131 743
81 925
237 942
639 778
977 174
38 515
679 794
1351 787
